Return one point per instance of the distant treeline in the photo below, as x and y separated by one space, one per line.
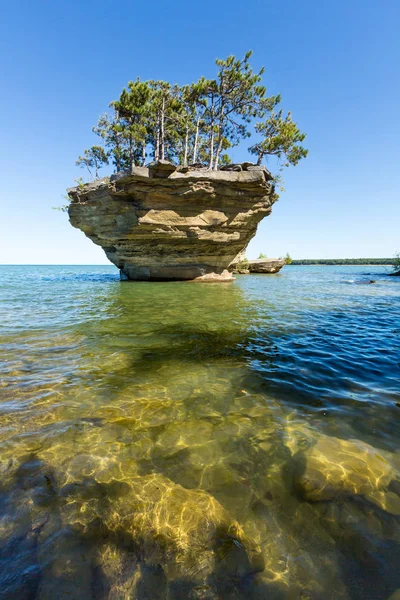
344 261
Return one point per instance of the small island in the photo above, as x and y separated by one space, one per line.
176 207
258 265
165 223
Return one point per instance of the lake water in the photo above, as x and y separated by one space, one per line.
200 441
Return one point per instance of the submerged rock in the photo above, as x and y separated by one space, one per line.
160 223
187 532
334 468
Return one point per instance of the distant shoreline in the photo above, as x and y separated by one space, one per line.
298 262
372 262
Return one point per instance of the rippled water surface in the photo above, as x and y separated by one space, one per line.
200 441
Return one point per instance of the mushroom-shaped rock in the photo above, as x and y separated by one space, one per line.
159 223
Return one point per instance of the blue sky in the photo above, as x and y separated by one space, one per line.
336 65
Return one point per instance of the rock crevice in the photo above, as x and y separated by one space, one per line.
160 223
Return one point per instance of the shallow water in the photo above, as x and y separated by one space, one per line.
179 440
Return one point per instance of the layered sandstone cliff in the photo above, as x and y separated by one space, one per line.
163 223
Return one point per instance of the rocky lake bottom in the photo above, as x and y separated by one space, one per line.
199 441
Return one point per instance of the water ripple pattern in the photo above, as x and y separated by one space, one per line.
200 441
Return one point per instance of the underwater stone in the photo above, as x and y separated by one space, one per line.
335 468
187 532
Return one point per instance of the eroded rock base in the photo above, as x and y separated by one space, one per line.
173 273
164 224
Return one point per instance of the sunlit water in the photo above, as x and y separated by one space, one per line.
201 441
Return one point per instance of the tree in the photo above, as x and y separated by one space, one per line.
261 255
196 122
165 107
236 94
280 137
93 159
189 119
132 110
111 130
288 259
198 97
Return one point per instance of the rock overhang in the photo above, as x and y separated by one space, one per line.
187 225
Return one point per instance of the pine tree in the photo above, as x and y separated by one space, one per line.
165 105
133 109
235 102
197 122
110 129
93 159
281 137
198 98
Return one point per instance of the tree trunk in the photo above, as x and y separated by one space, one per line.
196 138
163 130
220 136
219 148
118 153
143 153
157 144
131 154
210 164
185 155
260 157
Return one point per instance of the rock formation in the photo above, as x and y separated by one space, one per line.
167 223
261 265
266 265
184 531
149 523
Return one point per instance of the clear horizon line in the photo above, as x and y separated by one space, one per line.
111 265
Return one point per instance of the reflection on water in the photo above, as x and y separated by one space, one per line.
199 441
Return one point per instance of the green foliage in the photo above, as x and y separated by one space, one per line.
93 159
196 122
236 96
79 182
111 130
281 138
132 114
63 207
262 255
288 259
